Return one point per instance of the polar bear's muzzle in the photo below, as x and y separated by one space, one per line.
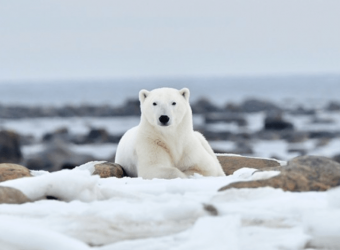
164 120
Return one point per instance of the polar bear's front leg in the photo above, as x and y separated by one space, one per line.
156 162
160 172
194 170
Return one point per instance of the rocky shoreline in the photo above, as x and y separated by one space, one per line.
57 154
131 107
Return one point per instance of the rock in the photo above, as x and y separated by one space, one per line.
293 136
130 107
10 171
203 106
212 210
27 140
215 136
253 105
59 134
56 156
267 135
297 149
302 111
336 158
276 122
241 148
12 196
323 134
226 117
322 142
97 135
333 106
232 107
10 151
108 169
232 163
321 120
303 173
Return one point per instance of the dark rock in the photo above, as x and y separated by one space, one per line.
12 196
253 105
320 120
97 135
56 156
275 121
232 107
108 169
10 151
299 150
267 135
216 136
336 158
323 134
241 148
27 140
322 142
203 106
333 106
303 173
212 210
226 117
10 171
59 134
231 163
293 136
130 107
302 111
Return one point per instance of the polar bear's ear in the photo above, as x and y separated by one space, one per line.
143 94
185 93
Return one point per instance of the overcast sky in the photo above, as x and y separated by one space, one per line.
106 39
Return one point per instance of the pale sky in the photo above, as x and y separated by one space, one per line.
107 39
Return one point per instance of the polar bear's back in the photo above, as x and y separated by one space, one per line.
126 153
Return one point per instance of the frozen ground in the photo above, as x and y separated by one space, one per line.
132 213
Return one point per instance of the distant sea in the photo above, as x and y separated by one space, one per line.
313 91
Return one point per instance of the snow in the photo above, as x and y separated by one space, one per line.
131 213
76 125
273 149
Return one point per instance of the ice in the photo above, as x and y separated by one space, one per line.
270 149
223 146
66 185
324 228
130 213
329 150
33 237
264 175
76 125
214 233
99 151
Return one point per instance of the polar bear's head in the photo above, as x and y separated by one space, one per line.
165 107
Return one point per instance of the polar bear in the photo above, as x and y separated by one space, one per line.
164 144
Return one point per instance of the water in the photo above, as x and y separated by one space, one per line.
292 90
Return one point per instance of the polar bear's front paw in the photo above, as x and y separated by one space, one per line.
162 173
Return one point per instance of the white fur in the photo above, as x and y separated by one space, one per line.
154 150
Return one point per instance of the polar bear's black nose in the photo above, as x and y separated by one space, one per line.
164 119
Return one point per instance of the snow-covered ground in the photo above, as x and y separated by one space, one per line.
132 213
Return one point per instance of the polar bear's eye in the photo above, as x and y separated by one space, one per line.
173 104
154 104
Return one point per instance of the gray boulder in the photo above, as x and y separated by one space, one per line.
10 151
56 156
